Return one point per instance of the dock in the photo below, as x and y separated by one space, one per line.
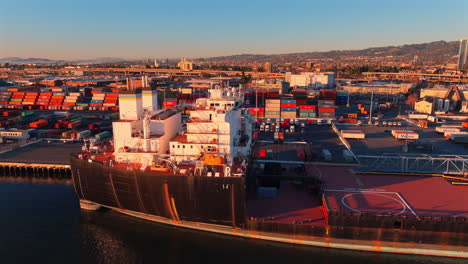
35 170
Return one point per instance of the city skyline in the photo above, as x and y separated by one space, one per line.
56 30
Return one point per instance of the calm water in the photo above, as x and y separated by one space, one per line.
42 223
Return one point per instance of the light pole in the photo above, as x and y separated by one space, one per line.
405 149
370 108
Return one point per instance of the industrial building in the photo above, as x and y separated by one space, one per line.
311 79
441 91
17 135
268 67
425 106
378 88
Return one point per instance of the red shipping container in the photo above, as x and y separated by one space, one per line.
326 110
288 105
307 107
262 153
252 110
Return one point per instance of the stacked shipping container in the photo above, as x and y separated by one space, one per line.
169 103
342 97
326 109
307 111
300 95
288 108
273 108
257 112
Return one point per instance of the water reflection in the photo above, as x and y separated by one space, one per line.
42 223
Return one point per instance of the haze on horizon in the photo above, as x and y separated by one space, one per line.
58 29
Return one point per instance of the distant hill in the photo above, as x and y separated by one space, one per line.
438 51
18 60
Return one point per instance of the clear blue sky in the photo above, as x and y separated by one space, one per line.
70 29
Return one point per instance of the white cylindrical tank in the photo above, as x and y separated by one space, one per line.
447 105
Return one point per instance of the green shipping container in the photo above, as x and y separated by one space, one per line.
27 113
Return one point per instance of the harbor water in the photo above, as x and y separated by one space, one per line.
42 223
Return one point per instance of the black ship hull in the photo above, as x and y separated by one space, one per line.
213 200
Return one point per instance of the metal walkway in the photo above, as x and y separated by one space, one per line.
415 163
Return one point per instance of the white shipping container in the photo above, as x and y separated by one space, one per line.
400 131
354 134
418 116
455 133
451 125
447 129
406 135
432 119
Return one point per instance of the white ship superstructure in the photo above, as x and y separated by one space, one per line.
216 141
143 131
218 132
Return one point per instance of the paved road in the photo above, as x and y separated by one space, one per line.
42 152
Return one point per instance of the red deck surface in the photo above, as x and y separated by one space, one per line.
291 205
427 196
379 203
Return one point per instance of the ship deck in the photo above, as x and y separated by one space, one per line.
293 204
345 191
397 194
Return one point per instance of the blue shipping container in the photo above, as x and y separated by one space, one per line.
288 101
341 98
288 109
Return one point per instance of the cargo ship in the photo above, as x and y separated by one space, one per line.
159 166
194 174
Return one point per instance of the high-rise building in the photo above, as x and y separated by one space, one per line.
463 56
268 67
309 64
185 65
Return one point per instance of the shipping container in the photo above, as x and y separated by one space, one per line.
326 103
405 135
74 124
326 110
447 129
353 134
39 123
418 116
103 135
307 107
